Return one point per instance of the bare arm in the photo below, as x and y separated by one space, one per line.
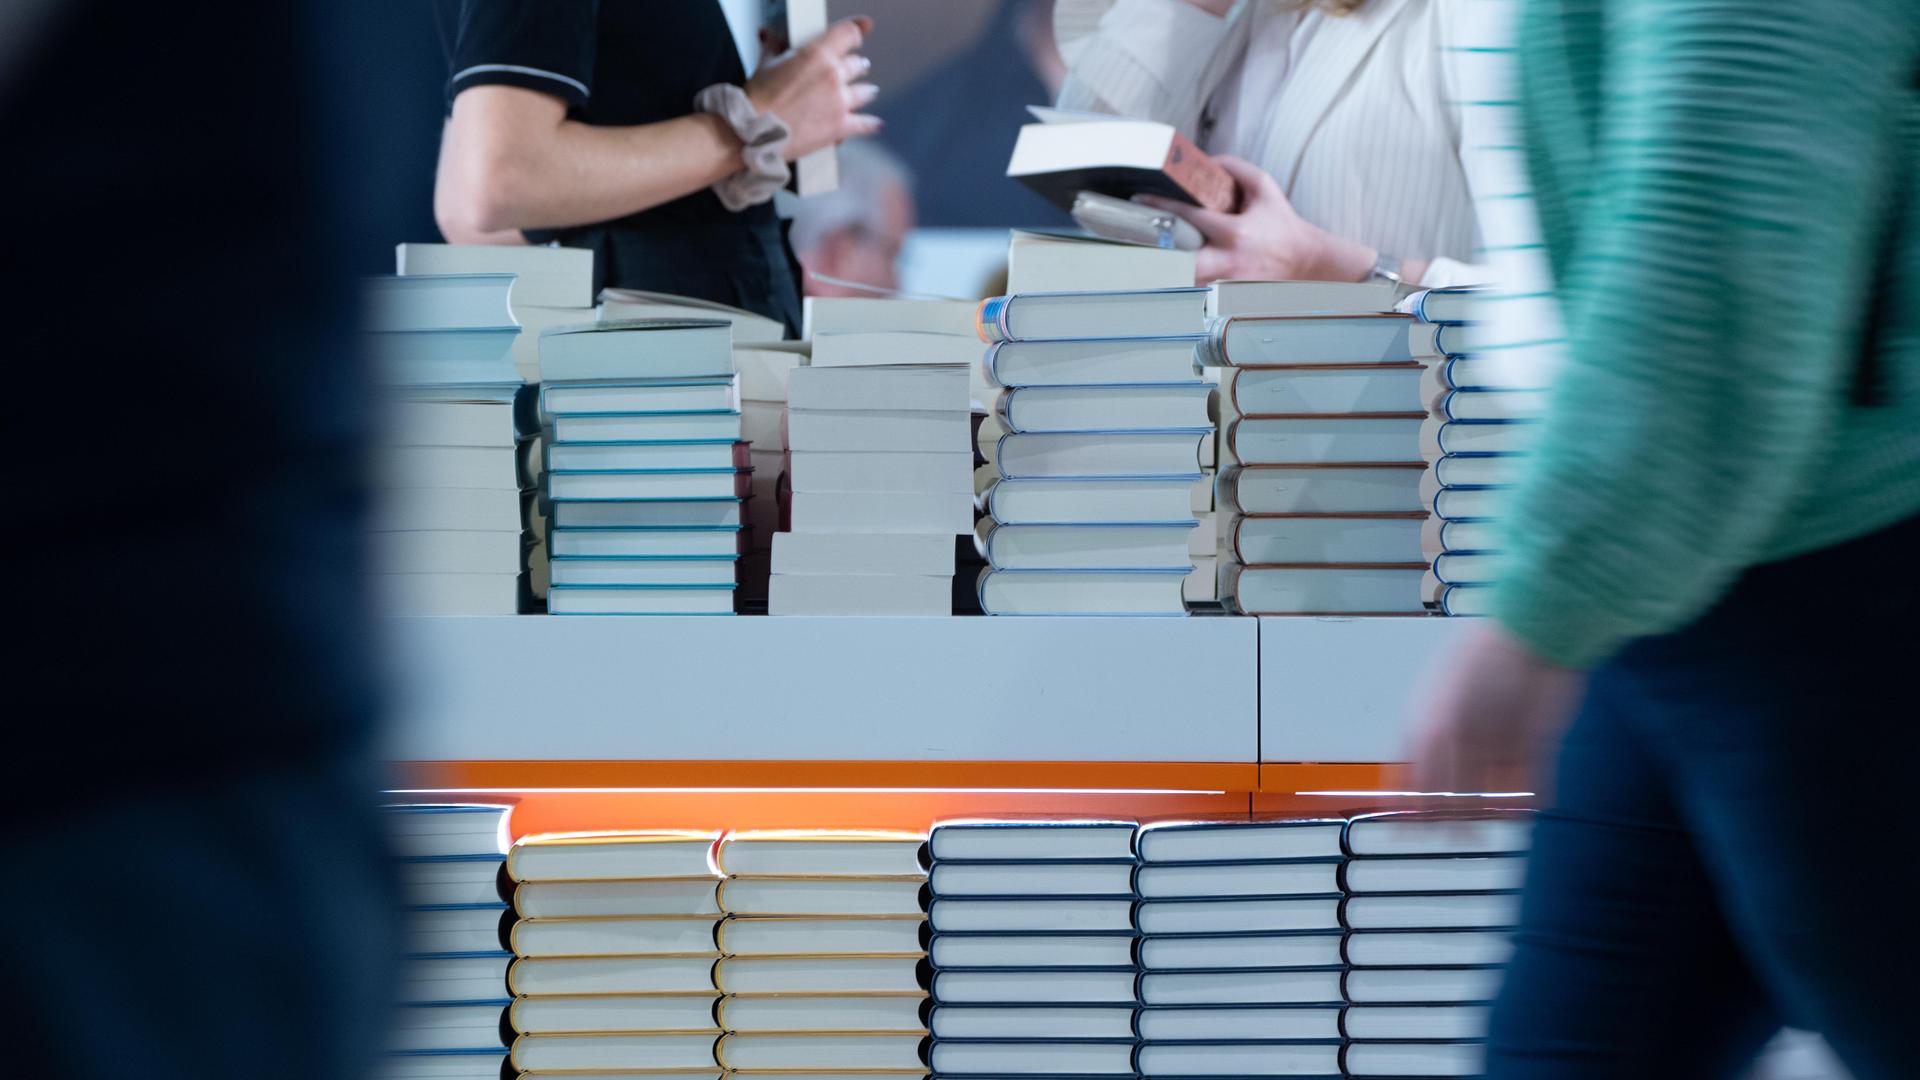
512 160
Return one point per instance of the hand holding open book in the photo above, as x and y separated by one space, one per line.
1264 238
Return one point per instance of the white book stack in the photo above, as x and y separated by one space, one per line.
1479 429
643 472
821 951
1240 948
1031 966
762 358
878 463
553 285
1430 905
447 524
1320 415
454 998
615 948
1094 450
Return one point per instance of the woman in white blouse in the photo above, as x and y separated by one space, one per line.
1347 123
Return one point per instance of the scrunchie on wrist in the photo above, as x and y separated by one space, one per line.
763 144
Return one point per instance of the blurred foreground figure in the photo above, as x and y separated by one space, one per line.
1720 524
854 233
200 883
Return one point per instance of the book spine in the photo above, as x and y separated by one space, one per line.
990 319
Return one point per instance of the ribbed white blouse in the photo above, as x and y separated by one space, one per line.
1373 126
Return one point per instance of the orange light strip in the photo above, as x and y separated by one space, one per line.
862 775
572 811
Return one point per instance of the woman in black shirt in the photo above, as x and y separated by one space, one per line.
575 121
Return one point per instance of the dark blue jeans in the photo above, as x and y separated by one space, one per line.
1731 844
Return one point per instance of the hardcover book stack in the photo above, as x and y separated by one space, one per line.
878 465
1093 451
454 998
1430 906
1475 439
1031 965
822 945
762 359
644 473
616 948
447 519
1240 949
1320 448
553 286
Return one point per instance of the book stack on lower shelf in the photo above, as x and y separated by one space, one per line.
1430 907
821 949
615 950
1093 449
1240 948
1474 440
644 472
447 525
451 1021
878 464
1320 422
1031 964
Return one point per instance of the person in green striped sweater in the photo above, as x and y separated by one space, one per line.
1711 579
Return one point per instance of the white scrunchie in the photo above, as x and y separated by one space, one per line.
763 144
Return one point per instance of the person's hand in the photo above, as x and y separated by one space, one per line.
1213 7
1493 717
1266 239
816 89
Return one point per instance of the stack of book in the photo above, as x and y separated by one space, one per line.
1320 419
451 1022
762 358
1094 449
1240 949
879 469
1475 438
821 946
1430 906
616 946
553 286
448 528
643 473
1031 965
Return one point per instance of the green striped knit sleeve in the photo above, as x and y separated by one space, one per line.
1713 259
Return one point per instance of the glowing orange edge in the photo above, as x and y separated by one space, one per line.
555 796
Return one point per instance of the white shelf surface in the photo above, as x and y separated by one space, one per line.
1342 690
825 689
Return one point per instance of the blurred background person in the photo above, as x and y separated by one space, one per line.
1724 546
955 124
576 122
1339 119
205 888
854 234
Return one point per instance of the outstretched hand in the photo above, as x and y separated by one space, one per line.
1495 715
817 89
